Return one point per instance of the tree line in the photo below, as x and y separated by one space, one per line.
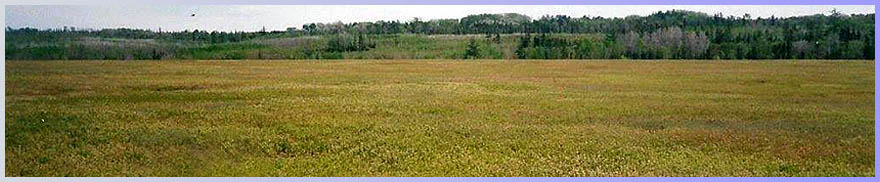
674 34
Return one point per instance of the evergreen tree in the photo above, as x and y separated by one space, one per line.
472 51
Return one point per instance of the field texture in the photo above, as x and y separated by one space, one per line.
439 118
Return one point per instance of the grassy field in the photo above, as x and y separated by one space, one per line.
439 118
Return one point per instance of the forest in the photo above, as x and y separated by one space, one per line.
674 34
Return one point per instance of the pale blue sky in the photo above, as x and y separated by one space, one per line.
279 17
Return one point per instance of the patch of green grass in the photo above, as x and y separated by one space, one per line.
439 118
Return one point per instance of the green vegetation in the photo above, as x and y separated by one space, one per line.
662 35
472 50
437 118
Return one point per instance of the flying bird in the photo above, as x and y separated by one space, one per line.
192 15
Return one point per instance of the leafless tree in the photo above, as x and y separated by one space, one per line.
630 42
801 48
696 44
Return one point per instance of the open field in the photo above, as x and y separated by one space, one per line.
439 118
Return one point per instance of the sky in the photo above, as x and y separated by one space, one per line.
280 17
